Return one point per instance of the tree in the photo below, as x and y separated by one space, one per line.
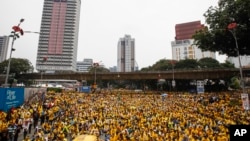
98 69
17 66
146 68
161 65
217 36
187 64
209 63
227 64
235 83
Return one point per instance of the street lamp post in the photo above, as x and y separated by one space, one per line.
95 65
231 28
95 77
173 79
14 34
118 78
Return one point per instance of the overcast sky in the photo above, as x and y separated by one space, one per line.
103 22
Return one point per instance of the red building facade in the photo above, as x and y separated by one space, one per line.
187 30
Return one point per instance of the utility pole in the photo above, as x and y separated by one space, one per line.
14 34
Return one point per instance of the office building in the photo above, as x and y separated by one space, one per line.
245 61
58 41
113 69
85 65
126 54
4 44
183 48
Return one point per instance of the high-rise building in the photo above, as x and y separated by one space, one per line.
183 48
113 69
58 41
4 44
186 30
85 65
244 59
126 54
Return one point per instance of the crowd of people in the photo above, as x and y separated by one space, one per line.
125 116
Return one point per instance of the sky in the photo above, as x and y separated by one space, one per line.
103 22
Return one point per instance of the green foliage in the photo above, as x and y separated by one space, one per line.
146 69
164 65
17 66
161 65
227 64
209 63
216 37
98 69
235 83
187 64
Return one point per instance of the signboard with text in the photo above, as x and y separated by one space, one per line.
11 97
85 89
245 101
200 87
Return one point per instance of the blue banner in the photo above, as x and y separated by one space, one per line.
85 89
2 94
200 86
11 97
200 90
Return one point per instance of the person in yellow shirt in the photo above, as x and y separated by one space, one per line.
222 137
205 139
114 137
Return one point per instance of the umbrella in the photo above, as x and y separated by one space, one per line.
164 94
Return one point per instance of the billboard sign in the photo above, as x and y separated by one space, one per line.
85 89
37 94
11 97
200 87
245 101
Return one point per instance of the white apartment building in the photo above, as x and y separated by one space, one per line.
85 65
245 61
4 44
184 49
